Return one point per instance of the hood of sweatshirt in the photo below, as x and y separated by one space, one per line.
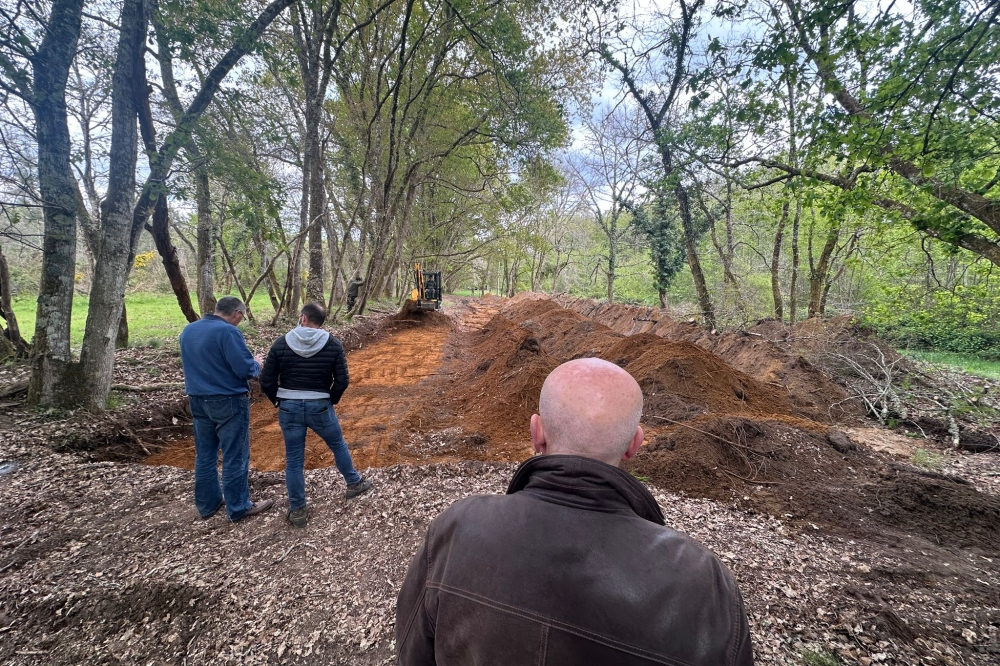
306 341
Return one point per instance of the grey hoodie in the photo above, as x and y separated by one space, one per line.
306 341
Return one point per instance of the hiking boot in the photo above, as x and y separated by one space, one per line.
258 507
355 489
298 517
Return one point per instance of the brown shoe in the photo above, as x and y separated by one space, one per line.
258 507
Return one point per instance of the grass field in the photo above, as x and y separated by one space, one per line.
153 319
968 364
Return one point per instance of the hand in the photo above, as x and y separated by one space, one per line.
259 358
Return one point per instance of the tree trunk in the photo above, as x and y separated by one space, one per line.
337 255
268 269
313 25
295 265
776 263
793 294
107 295
235 277
57 189
90 227
121 235
612 260
691 246
121 338
206 246
317 208
168 254
11 331
818 273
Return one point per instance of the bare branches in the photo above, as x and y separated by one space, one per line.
878 375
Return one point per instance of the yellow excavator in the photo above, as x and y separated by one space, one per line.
427 295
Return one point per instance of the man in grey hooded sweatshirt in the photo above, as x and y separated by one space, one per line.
304 375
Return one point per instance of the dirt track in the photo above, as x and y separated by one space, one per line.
394 397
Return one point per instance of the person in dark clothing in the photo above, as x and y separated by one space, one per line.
574 565
304 375
431 291
217 365
353 287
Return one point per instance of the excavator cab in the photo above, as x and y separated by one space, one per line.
427 295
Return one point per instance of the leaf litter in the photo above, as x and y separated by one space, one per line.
855 556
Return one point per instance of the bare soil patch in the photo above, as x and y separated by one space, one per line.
384 374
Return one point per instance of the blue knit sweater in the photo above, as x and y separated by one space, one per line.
215 358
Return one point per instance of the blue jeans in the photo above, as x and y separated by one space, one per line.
295 416
221 421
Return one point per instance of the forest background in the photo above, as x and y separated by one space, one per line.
729 160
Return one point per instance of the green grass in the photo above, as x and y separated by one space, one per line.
927 459
968 364
819 658
153 319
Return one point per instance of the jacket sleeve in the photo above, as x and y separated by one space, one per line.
269 375
239 357
414 627
341 378
744 650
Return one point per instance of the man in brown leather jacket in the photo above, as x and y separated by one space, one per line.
574 565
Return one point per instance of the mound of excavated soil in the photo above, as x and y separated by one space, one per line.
517 349
768 352
413 313
721 456
436 388
789 468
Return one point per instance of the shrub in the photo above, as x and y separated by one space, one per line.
960 321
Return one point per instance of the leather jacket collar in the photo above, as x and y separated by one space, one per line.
585 483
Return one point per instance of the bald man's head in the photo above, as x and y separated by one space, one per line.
589 407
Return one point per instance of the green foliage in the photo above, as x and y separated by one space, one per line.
819 658
968 364
659 222
913 123
962 320
116 401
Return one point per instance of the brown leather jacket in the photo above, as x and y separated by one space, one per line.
573 566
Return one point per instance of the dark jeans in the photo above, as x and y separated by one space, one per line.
297 415
221 422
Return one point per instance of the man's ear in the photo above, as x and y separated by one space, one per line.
537 434
634 445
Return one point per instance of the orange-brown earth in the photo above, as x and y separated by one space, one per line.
726 416
384 377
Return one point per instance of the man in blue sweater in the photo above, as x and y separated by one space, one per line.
217 365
